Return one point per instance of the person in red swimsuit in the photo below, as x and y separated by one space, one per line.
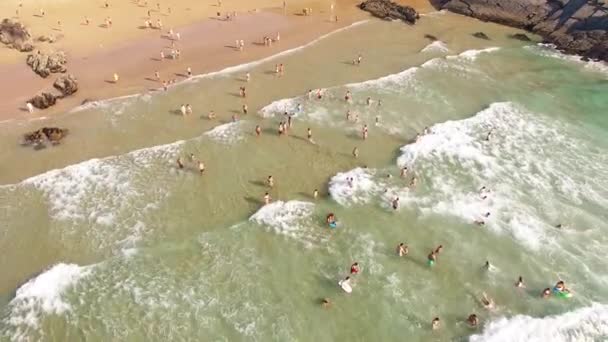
354 268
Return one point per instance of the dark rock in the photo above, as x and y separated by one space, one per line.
43 100
15 35
520 36
430 37
481 35
574 26
53 135
388 10
45 64
67 85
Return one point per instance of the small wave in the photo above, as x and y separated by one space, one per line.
356 186
228 133
550 50
585 324
43 295
436 46
292 219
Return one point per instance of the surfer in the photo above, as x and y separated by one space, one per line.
546 293
520 282
402 249
435 324
473 321
432 258
354 268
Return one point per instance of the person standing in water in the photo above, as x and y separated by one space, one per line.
402 249
473 321
315 194
520 282
438 249
201 167
432 258
180 164
309 133
270 181
258 130
267 198
354 268
395 203
356 152
245 109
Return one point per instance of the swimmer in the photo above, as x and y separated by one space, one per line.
356 152
560 287
487 214
258 130
546 293
473 321
331 219
520 282
395 203
180 164
435 324
315 194
403 172
402 249
326 303
270 181
267 198
354 268
479 222
432 258
487 302
201 167
438 249
488 136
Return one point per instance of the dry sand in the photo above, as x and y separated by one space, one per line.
95 52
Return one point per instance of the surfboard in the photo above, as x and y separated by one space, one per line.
345 286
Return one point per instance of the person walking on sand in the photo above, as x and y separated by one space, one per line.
245 109
30 107
267 198
157 75
182 109
211 115
162 55
115 77
359 59
309 134
247 77
356 152
201 167
188 109
402 249
189 72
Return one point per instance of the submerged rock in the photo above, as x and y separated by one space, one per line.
67 85
520 36
15 35
43 100
54 135
481 35
45 64
574 26
430 37
388 10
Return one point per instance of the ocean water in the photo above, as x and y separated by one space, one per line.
104 238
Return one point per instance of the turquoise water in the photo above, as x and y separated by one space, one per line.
134 249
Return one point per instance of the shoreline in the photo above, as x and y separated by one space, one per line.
137 59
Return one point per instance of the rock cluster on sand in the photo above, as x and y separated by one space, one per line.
15 35
44 64
52 134
388 10
574 26
67 85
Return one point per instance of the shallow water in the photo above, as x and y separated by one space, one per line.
129 247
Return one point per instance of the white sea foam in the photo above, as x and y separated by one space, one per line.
292 218
436 46
44 295
358 191
582 325
228 133
474 54
529 158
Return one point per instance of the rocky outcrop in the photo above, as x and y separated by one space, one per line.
388 10
481 35
54 135
520 36
15 35
67 85
574 26
45 64
43 100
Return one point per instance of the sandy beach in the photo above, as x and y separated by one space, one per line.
207 43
